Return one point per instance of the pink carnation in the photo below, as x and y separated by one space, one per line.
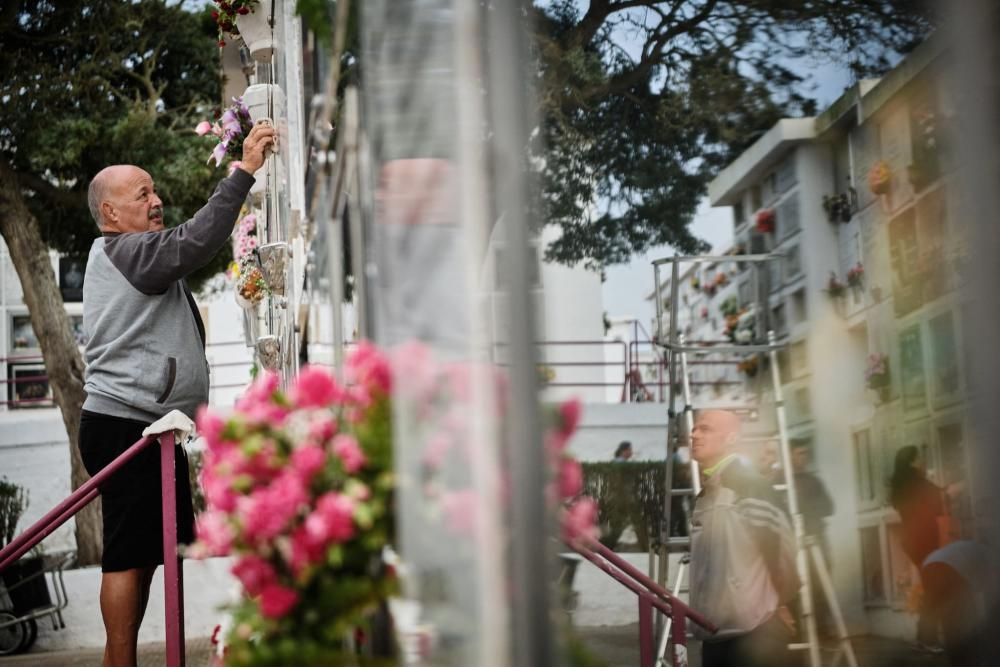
267 512
314 388
203 128
569 413
254 573
367 366
218 490
276 601
332 521
214 533
349 452
307 460
210 425
570 478
322 427
579 522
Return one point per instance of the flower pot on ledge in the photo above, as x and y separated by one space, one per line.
255 31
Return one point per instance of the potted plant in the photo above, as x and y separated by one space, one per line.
749 366
25 579
856 277
880 178
240 18
834 288
877 375
838 208
764 220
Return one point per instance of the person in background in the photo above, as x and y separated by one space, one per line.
768 463
955 578
743 574
919 503
623 452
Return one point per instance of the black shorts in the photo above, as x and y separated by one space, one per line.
131 498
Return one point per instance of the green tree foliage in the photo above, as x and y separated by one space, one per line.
641 103
86 84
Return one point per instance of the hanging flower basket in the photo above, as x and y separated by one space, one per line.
765 220
856 276
880 178
834 288
838 208
227 14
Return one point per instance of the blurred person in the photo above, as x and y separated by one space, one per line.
743 573
623 452
955 577
920 505
768 463
145 357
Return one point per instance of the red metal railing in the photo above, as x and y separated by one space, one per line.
172 573
651 596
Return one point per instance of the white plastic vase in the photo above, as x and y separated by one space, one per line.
255 30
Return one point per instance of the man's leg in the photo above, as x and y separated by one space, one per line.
123 602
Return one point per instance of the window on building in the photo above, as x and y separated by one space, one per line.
865 468
872 569
745 293
944 357
739 215
756 199
925 138
793 263
774 274
911 362
903 576
779 319
801 310
800 405
785 175
788 216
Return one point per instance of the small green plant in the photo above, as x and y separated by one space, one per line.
13 504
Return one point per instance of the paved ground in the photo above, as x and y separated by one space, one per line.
199 652
614 644
618 646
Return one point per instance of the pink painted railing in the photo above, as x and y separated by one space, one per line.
651 596
172 572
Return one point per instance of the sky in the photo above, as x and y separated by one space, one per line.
627 285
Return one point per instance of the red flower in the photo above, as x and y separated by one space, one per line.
222 43
243 10
276 601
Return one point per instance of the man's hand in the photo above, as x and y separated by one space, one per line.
256 146
785 615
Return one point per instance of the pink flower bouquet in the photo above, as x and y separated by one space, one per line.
299 491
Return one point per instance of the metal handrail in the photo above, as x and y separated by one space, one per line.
651 596
87 492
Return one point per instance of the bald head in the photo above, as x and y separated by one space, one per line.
715 435
122 198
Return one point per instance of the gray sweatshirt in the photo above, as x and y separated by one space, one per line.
145 339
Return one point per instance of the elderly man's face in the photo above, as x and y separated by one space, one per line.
136 205
713 436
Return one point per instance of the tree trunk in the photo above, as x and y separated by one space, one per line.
63 363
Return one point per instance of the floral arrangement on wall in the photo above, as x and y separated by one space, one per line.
877 371
299 491
225 14
230 130
764 221
834 288
880 178
856 276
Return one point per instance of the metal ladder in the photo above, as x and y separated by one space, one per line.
677 350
